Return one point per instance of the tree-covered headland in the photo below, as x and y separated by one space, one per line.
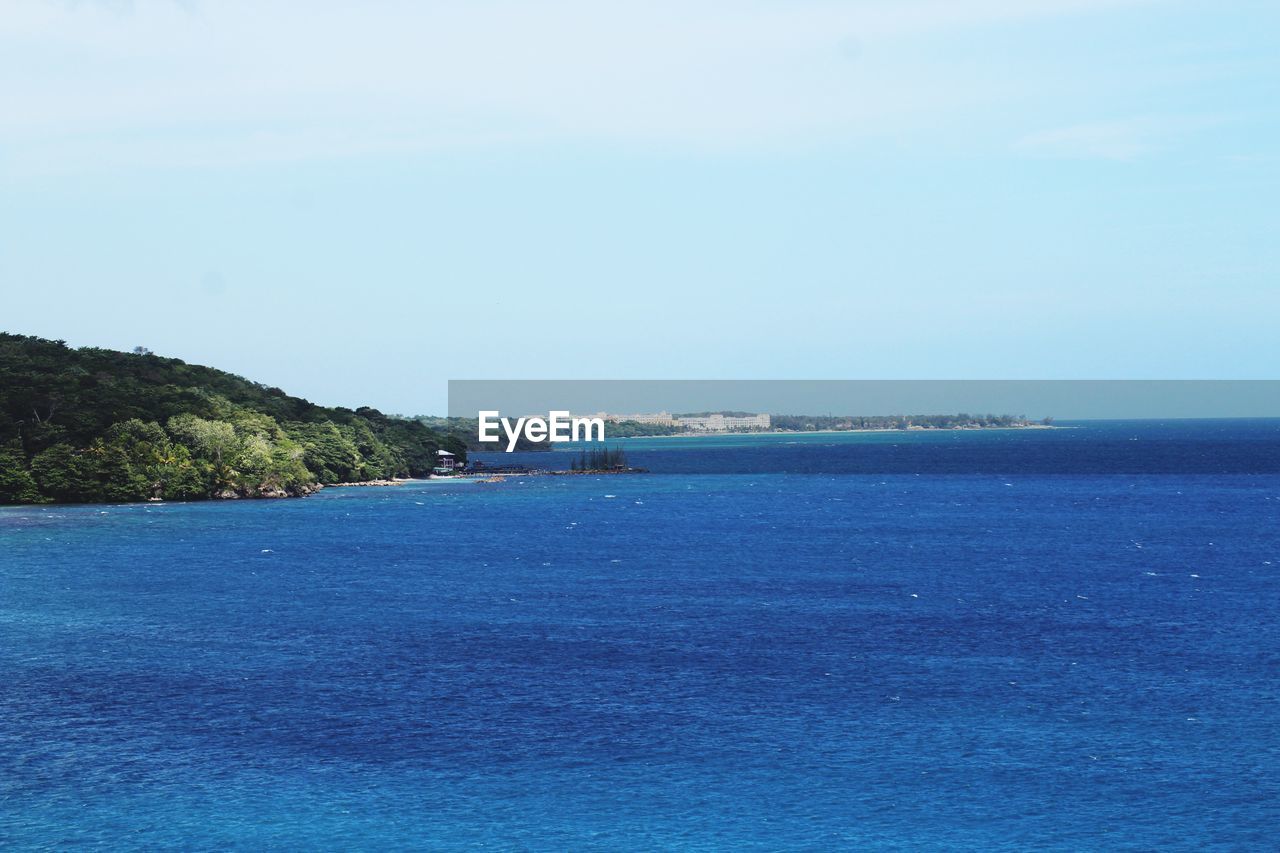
93 425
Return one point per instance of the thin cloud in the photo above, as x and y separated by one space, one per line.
235 81
1121 140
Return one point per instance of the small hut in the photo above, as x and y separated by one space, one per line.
445 463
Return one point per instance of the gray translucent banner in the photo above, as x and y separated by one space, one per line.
881 428
1059 399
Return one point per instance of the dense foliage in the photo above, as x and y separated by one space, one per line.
99 425
636 429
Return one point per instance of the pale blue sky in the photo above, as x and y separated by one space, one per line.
358 201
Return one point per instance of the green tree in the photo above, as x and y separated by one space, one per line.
176 476
64 474
213 442
17 486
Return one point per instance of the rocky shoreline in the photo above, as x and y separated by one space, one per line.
267 492
297 491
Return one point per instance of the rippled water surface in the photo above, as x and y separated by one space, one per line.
799 649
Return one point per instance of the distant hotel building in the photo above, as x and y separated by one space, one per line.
724 423
707 423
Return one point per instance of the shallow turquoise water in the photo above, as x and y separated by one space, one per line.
745 660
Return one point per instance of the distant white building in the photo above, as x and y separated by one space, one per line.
706 423
445 462
724 423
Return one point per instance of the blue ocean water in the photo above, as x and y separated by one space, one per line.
765 643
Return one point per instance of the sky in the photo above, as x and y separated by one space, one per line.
357 202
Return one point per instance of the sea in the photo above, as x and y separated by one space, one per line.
1058 639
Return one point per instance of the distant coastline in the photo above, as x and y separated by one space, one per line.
737 422
911 429
667 425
